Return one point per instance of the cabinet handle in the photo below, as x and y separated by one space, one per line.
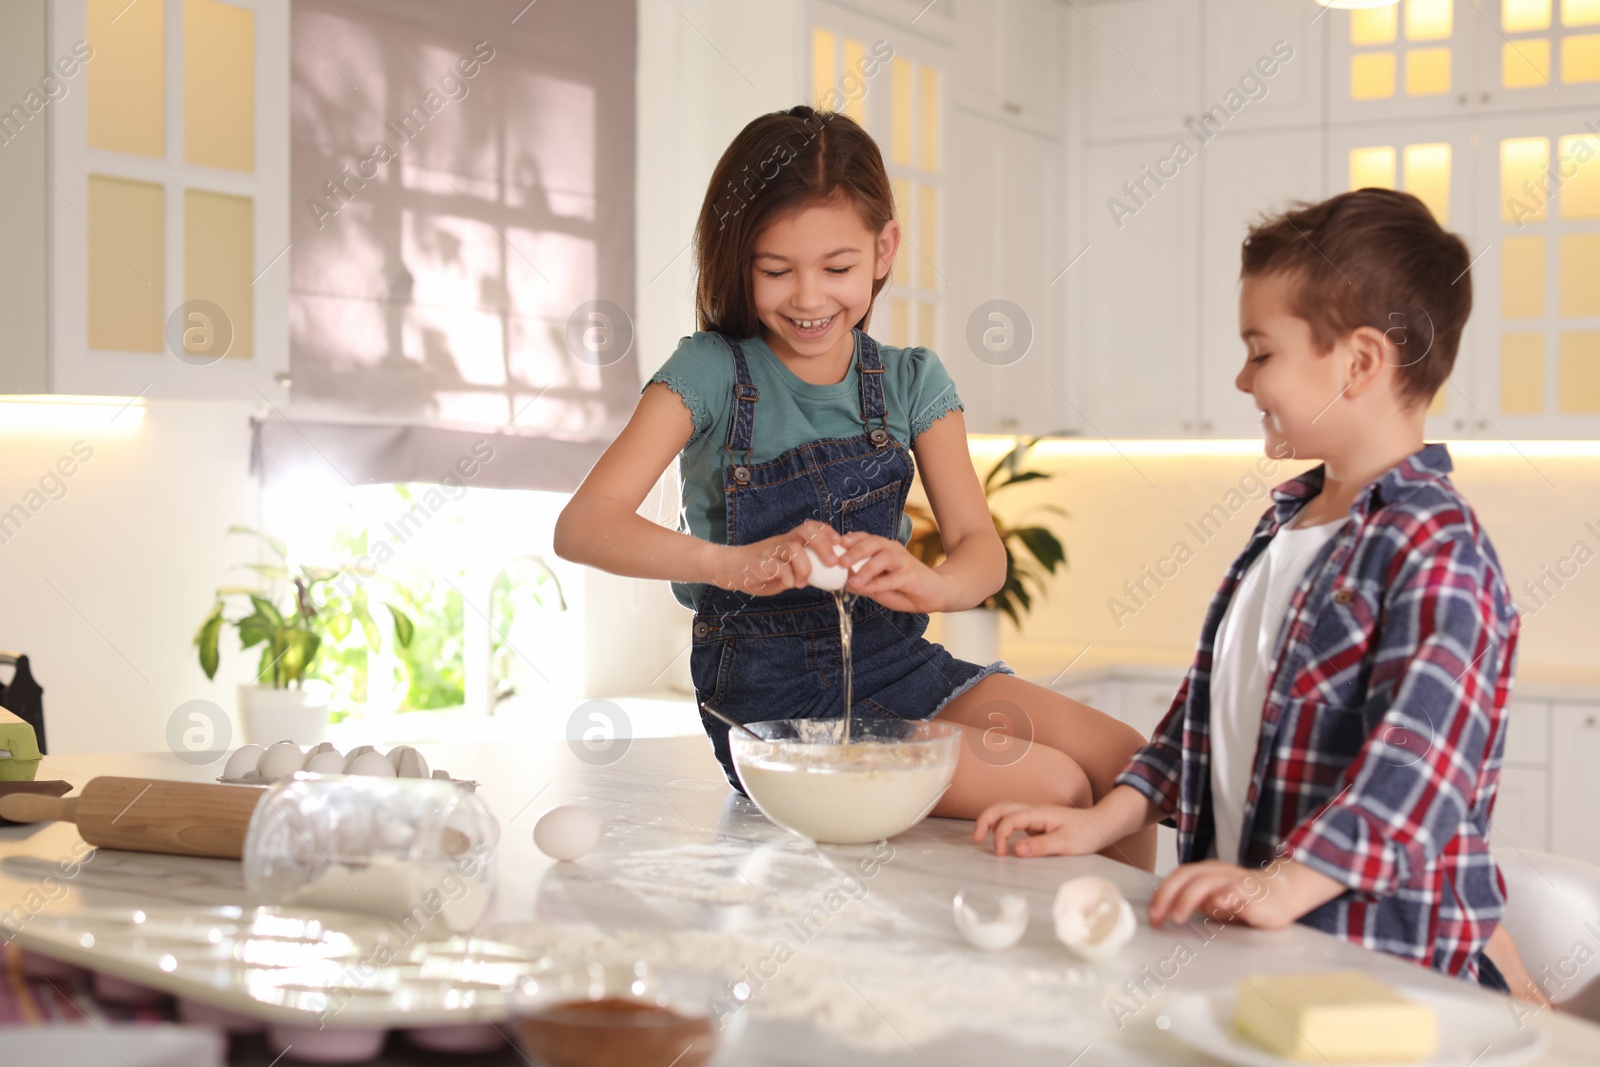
1015 109
1462 99
1590 722
1485 98
1188 426
1205 426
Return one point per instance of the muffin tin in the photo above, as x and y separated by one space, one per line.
332 985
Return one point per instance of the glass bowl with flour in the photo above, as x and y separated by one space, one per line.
882 783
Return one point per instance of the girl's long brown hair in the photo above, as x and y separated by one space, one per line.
781 161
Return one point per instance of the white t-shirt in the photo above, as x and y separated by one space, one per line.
1240 664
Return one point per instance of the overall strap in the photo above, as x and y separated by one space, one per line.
873 406
742 427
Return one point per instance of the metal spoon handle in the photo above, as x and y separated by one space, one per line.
715 714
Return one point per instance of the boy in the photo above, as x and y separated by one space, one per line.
1344 718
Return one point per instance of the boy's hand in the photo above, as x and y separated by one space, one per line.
775 564
1052 829
891 575
1268 899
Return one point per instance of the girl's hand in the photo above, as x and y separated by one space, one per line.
1217 890
891 575
778 563
1052 830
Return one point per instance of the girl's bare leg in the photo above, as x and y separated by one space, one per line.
1008 721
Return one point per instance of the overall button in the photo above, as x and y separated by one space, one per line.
741 475
879 437
701 629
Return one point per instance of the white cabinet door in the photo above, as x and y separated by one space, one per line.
1031 46
1410 60
1536 307
1575 789
1528 58
1141 66
1247 177
131 319
1263 66
1527 734
1522 810
1004 347
1008 62
1138 355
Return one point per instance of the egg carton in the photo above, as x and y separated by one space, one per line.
287 758
303 979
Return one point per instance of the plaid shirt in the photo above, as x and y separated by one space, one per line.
1384 722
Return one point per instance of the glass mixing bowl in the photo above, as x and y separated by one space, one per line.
884 782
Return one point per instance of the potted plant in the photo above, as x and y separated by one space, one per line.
290 626
1033 553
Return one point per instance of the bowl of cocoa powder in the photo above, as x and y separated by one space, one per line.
598 1015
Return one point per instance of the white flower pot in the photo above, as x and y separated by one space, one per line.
972 635
271 715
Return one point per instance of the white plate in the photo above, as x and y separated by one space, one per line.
1470 1031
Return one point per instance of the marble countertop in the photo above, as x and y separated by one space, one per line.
849 953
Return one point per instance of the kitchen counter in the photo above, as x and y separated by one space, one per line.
849 953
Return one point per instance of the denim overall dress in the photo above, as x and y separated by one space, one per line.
758 658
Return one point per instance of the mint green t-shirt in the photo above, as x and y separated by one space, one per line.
791 412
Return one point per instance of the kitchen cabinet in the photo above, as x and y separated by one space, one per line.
1575 789
1003 305
1522 808
1138 319
1140 63
1537 56
1536 306
164 182
1008 62
1413 59
1270 57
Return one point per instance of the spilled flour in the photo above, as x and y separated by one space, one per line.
871 997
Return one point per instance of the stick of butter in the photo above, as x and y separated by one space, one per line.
1339 1017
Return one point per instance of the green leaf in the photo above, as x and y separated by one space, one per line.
358 608
254 629
239 590
404 629
339 625
206 641
1044 545
301 650
320 574
265 608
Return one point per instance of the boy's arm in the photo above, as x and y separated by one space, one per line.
1154 770
1411 785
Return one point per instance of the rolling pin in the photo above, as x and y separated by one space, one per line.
149 815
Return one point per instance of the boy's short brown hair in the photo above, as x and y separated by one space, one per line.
1372 257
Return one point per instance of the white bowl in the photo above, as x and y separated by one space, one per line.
881 784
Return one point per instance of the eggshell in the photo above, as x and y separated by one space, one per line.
327 762
375 764
1093 919
1005 930
243 762
408 762
566 832
280 761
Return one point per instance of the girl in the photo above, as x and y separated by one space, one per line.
792 429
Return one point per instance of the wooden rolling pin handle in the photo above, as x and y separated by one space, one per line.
35 807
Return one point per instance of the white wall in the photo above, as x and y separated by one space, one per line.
105 585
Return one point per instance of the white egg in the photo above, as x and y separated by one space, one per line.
1005 930
375 764
827 576
326 762
566 832
325 746
438 773
243 762
1093 919
408 762
280 761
